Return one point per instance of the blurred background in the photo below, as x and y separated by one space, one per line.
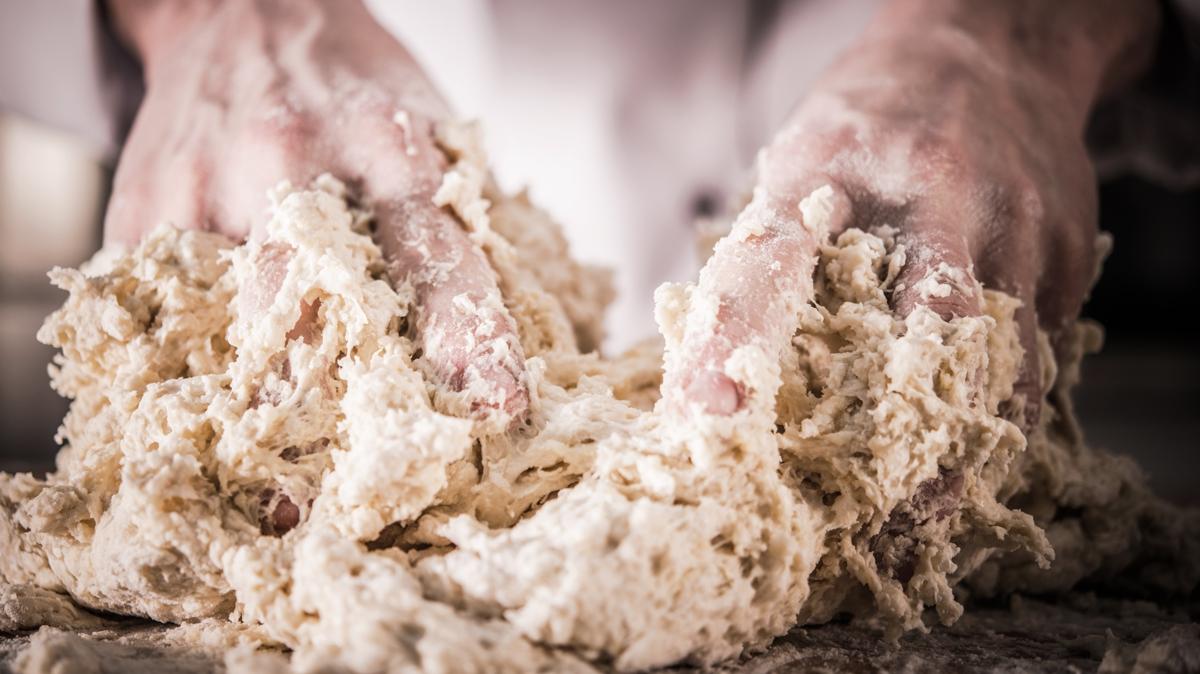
52 195
1140 396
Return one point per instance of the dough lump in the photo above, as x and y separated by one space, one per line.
602 532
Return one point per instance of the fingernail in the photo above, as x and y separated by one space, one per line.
717 393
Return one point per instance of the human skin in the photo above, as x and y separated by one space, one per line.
244 94
960 123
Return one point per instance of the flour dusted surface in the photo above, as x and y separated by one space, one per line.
321 493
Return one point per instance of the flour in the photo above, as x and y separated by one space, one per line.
1175 649
323 494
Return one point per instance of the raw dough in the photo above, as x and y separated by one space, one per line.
603 530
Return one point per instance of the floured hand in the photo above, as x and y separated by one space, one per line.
953 124
244 95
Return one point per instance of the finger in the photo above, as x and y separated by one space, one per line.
937 270
937 274
277 147
1025 407
463 329
151 191
164 175
1073 248
465 336
1063 287
1007 265
935 499
257 295
749 295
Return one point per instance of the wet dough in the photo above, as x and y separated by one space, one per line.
601 530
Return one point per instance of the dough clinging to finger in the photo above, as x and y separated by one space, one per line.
603 530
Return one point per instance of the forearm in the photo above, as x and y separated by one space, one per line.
1085 48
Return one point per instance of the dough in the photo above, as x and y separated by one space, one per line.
322 494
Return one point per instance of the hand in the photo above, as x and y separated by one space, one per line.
961 124
244 94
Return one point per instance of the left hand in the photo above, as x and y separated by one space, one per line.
244 94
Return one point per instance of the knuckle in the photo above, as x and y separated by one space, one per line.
283 127
399 128
1028 201
941 161
372 101
792 163
953 306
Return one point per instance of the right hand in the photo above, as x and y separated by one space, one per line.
951 122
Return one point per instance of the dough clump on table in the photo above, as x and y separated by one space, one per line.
320 494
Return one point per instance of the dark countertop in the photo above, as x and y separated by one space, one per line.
1080 633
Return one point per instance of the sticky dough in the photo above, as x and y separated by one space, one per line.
603 530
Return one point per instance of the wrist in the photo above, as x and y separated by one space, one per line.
146 27
1085 49
161 31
